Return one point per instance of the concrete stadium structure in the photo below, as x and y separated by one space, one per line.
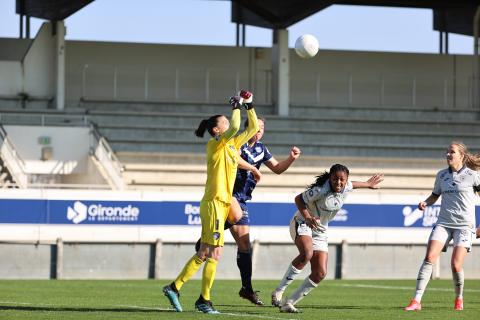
388 112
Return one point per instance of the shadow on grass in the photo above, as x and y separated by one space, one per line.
79 309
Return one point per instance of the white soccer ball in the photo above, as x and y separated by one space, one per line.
306 46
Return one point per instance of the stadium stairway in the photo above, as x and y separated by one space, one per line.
156 142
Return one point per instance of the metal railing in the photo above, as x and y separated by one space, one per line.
156 84
383 90
42 119
106 160
213 85
14 164
103 156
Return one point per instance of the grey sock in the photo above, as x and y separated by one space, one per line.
458 281
424 275
304 289
288 277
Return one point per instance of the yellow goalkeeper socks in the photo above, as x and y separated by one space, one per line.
191 267
208 277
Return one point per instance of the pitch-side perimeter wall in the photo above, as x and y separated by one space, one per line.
95 234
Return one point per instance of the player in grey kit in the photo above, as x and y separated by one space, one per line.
317 206
457 185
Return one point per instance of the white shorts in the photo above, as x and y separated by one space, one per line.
461 237
298 227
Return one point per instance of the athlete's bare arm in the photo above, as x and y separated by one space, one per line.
280 167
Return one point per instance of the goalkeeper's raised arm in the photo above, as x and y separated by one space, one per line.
252 128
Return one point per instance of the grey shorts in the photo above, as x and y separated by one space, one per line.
461 237
298 227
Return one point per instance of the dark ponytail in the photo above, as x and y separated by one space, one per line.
207 125
321 179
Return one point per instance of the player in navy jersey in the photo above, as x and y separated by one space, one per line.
254 153
457 186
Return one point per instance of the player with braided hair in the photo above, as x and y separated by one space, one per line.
222 160
317 206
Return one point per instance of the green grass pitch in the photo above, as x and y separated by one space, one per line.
143 299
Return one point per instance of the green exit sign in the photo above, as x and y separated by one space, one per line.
44 141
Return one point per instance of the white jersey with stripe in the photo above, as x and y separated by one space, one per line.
457 210
323 203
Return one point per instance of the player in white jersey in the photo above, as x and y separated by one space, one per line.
457 185
317 206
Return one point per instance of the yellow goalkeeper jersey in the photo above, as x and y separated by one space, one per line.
222 157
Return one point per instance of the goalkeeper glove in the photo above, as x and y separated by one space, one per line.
247 99
236 102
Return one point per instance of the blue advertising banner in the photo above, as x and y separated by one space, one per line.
91 212
23 211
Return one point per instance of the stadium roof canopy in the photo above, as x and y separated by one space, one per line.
455 16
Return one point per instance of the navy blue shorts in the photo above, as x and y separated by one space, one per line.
245 219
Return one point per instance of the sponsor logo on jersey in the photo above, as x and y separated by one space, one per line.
97 212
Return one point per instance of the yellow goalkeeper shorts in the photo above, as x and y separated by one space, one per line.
213 215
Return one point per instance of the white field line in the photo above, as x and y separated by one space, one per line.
221 313
143 308
254 316
372 286
16 302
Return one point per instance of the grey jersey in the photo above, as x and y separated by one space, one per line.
323 203
458 197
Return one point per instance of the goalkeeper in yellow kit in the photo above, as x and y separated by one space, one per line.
222 161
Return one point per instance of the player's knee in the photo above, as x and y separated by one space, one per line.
209 251
430 258
456 266
216 253
305 256
216 256
244 246
202 254
234 218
